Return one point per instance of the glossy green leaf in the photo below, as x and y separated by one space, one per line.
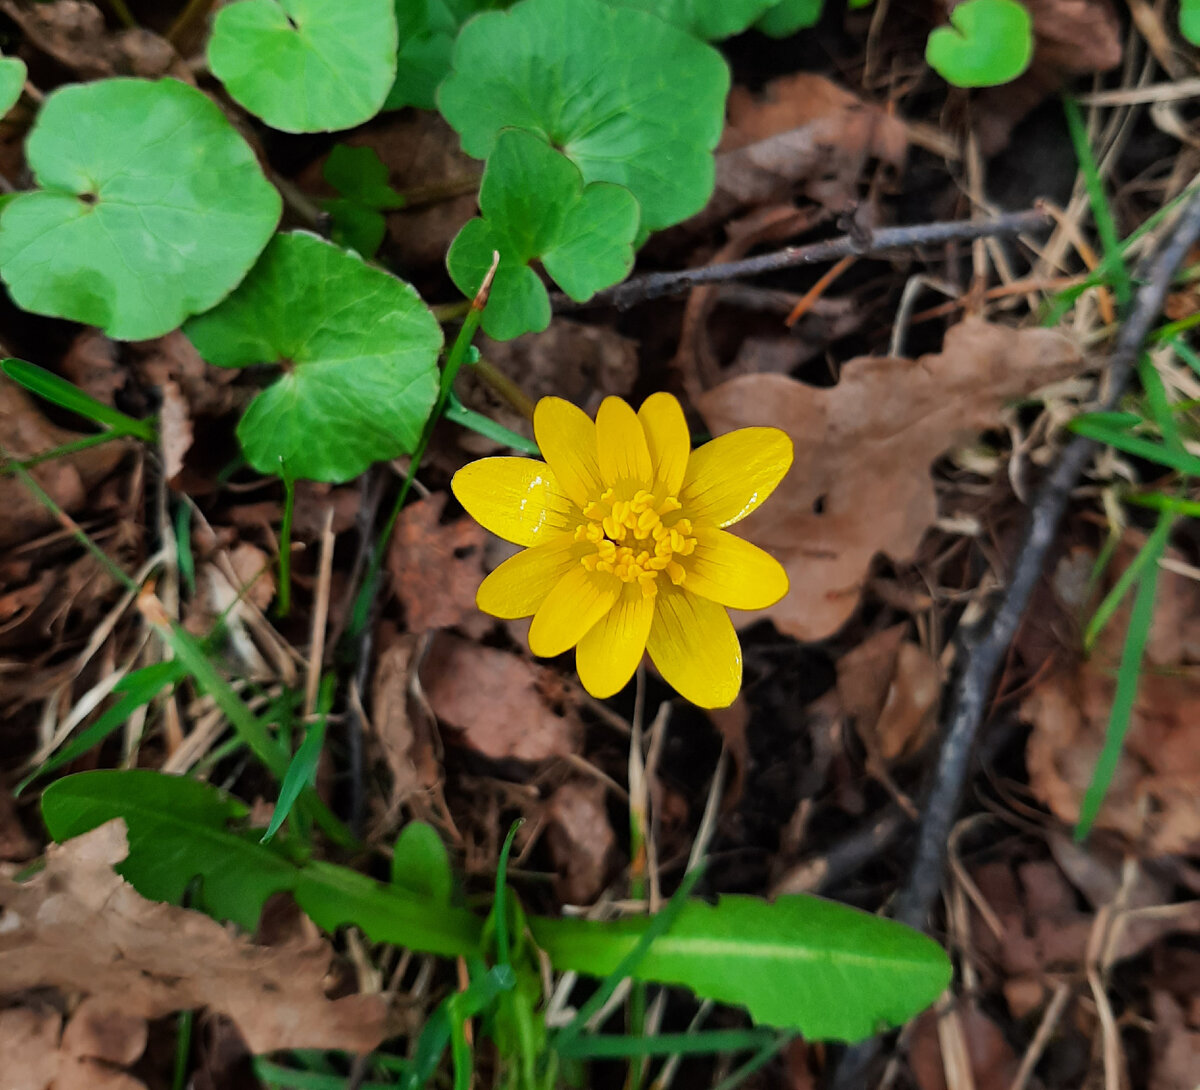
988 42
359 352
789 16
535 206
178 829
12 81
150 208
361 178
420 863
1189 20
626 97
427 29
829 971
306 65
708 19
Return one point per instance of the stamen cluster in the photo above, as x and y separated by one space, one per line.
633 541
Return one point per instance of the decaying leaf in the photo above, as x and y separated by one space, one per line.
580 840
890 687
860 483
436 568
68 480
174 429
409 757
958 1047
495 702
15 843
79 927
804 132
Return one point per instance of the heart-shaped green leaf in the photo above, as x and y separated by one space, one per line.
708 19
991 43
12 80
151 208
362 179
359 352
785 18
624 96
306 65
535 205
427 32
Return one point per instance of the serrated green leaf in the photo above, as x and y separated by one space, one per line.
12 81
306 65
785 18
624 96
989 42
359 351
151 208
825 969
427 29
535 205
708 19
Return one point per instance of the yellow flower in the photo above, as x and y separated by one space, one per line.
626 546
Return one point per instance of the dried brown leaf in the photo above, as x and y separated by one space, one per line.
580 839
860 484
495 701
174 429
944 1043
436 568
806 132
90 362
1175 1046
79 927
409 758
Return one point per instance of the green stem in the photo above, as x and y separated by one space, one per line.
122 12
85 443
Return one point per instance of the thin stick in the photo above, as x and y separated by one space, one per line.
981 650
639 289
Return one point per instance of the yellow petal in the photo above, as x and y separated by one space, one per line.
610 652
729 477
695 648
518 499
733 572
668 439
566 437
518 586
624 455
576 602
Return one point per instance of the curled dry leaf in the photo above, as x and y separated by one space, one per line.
860 483
495 702
174 430
580 840
804 132
890 687
68 480
406 748
436 568
90 362
79 927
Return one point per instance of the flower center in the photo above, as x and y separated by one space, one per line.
633 541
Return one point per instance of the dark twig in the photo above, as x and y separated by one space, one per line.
639 289
981 650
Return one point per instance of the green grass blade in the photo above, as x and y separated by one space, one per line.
1101 211
288 1078
1128 674
1185 352
458 413
1158 502
132 691
302 772
1138 446
58 391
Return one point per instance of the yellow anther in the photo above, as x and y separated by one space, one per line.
668 505
646 522
595 511
676 572
613 528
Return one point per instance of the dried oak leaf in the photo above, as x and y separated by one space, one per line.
68 480
79 927
803 132
890 687
436 569
496 702
580 839
861 484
